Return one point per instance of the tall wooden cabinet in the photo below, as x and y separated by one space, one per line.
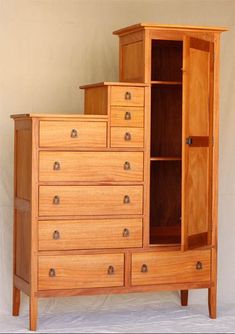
124 198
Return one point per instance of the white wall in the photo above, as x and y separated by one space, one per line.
49 47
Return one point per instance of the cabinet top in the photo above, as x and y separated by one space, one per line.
140 26
60 116
106 83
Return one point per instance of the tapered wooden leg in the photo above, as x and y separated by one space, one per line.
212 304
33 313
184 297
16 302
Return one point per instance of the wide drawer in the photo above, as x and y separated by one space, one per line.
90 166
72 134
127 137
90 234
80 271
127 96
90 200
127 116
170 267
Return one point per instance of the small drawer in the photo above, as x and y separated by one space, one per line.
90 234
127 96
90 200
80 271
171 267
127 116
90 166
72 134
127 137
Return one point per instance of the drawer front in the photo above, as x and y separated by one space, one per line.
127 137
90 166
170 267
127 116
90 234
81 271
72 134
90 200
127 96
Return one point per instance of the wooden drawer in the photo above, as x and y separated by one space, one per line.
127 96
72 134
80 271
90 234
171 267
91 166
127 116
90 200
127 137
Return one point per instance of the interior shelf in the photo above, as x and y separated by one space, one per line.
166 82
165 158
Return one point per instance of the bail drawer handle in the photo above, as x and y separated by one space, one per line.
127 116
52 272
56 200
56 235
126 233
199 265
74 133
56 165
127 165
127 96
110 270
126 199
127 136
144 268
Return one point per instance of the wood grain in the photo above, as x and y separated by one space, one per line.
58 133
90 234
170 267
90 200
118 139
91 167
118 96
81 271
135 114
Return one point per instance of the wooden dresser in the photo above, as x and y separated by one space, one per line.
124 198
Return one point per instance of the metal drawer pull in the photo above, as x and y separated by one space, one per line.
189 141
127 165
127 96
127 136
126 233
52 272
56 200
56 165
127 116
126 199
56 235
74 133
199 265
144 268
110 270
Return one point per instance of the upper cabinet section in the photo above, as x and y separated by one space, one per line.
153 52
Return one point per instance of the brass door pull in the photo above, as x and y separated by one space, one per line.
56 235
144 268
126 233
56 165
199 265
74 133
127 116
127 136
127 165
52 272
127 96
110 270
126 199
56 200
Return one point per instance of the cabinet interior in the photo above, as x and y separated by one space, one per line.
166 142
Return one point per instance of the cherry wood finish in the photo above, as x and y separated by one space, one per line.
124 198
